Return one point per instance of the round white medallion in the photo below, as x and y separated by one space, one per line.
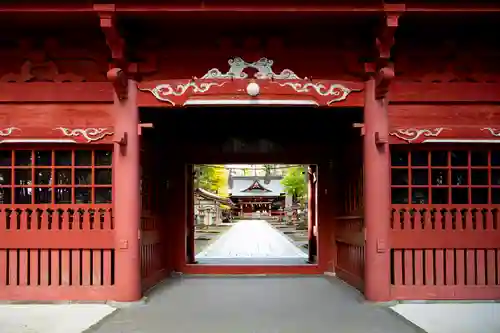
253 89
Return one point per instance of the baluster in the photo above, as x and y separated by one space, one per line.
417 220
426 218
65 220
459 220
86 219
107 220
4 225
446 222
44 219
487 217
406 225
23 216
469 224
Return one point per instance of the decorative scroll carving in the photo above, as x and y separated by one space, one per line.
493 131
89 134
320 93
338 91
263 67
163 90
8 131
412 134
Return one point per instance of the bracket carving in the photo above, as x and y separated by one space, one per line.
119 80
116 44
384 42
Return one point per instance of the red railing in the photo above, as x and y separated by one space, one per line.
50 252
445 252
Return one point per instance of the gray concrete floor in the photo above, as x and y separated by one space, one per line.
255 305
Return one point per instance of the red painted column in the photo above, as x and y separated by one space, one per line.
189 221
377 204
127 198
311 216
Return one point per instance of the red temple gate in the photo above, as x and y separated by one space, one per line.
419 224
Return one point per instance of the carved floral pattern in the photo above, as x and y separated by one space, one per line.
8 131
163 90
338 91
493 131
263 66
412 134
89 134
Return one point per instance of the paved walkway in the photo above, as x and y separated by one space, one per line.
51 318
255 305
252 239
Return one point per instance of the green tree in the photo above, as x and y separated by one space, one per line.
269 169
295 183
214 178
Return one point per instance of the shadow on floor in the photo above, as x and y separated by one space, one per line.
315 304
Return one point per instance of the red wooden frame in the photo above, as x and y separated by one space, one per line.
55 249
188 268
63 170
477 170
446 246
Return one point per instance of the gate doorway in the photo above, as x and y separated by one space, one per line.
323 142
253 214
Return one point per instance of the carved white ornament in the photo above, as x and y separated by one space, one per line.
90 134
263 66
8 131
163 90
412 134
338 91
493 131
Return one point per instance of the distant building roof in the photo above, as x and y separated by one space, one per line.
255 186
212 196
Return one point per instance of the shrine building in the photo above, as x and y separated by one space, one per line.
260 194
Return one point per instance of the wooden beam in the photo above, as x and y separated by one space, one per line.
102 92
107 18
352 9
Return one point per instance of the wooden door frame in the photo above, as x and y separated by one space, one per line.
318 267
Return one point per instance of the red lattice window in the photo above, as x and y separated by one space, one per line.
62 176
445 176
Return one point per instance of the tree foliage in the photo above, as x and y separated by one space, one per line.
214 178
295 183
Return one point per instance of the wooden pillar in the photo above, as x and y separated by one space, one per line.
190 252
377 205
311 213
127 198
